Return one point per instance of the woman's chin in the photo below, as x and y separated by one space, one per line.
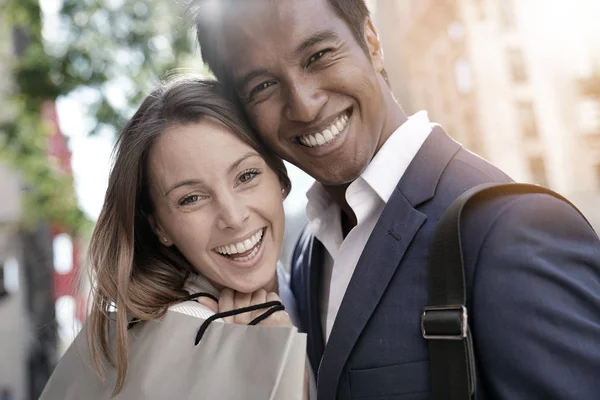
250 285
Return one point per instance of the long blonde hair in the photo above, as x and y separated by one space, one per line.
131 272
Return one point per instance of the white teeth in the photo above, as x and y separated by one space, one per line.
320 139
248 257
241 247
327 135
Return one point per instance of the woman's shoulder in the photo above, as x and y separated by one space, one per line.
192 308
196 283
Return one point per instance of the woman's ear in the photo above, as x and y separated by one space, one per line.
374 45
284 192
158 230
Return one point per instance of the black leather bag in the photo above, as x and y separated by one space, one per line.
444 322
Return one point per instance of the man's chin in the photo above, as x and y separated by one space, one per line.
335 178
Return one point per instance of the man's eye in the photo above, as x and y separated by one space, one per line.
317 56
189 200
260 88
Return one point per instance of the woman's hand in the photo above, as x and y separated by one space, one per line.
231 300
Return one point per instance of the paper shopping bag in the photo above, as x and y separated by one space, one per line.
231 362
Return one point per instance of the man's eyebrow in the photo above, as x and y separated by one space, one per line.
244 80
320 36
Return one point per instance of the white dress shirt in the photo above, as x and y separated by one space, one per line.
367 196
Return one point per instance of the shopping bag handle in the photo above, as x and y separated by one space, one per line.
273 307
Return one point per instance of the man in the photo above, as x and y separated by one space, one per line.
311 78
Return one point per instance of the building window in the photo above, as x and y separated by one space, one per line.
507 14
537 166
472 130
479 9
589 116
62 248
463 76
9 277
517 66
527 120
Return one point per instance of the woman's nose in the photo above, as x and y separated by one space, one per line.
233 213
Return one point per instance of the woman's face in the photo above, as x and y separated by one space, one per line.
217 200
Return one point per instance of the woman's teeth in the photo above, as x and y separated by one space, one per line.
231 250
327 135
248 257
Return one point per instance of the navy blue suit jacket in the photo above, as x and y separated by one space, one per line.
533 277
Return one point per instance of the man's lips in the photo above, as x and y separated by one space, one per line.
328 134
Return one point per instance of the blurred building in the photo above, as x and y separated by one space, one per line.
14 326
38 267
504 77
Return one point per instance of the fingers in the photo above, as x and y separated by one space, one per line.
231 300
227 303
210 303
272 296
279 318
259 297
242 300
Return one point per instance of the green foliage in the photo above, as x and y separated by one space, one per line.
116 51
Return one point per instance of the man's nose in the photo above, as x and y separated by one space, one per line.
304 101
232 213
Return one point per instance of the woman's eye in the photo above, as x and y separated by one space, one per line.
247 176
316 56
189 200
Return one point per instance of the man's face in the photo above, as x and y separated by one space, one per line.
308 87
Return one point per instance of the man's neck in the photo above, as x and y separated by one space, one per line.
338 192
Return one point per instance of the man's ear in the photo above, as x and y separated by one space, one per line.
158 230
374 45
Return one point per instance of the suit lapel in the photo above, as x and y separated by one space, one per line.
384 250
389 241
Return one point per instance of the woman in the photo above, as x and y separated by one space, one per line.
194 204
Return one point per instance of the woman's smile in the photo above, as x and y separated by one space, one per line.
244 253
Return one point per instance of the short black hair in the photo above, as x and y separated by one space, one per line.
353 12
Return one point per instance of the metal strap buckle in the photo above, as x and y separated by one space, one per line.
458 312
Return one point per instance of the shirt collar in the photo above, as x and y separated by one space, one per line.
324 219
391 161
381 176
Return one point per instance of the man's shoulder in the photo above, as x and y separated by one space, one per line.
463 172
301 250
302 243
467 169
